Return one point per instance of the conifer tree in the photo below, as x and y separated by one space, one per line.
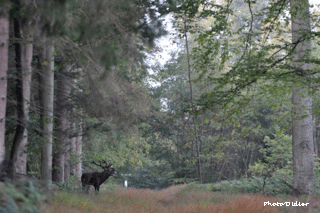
4 60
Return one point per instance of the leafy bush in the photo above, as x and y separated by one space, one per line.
21 198
199 187
273 186
145 180
241 185
177 181
73 185
277 155
111 185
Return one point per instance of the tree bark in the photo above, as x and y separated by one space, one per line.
79 150
21 121
73 147
26 59
4 58
47 95
302 126
62 165
67 165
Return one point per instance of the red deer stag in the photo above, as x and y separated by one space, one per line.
97 178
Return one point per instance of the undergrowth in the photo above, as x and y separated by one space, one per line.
180 198
227 196
270 186
20 198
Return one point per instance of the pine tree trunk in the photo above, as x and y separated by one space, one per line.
302 126
21 119
4 45
79 150
73 139
63 91
47 95
26 59
67 166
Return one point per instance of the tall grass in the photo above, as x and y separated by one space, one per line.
229 196
180 198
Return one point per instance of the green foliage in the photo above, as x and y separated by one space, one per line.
317 171
273 186
198 187
230 138
73 185
278 151
232 52
113 184
146 180
277 155
184 180
241 185
20 198
104 142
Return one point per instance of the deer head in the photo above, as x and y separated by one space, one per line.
97 178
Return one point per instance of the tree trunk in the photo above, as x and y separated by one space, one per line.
302 126
47 95
4 45
21 121
73 147
63 92
79 150
26 59
67 165
195 132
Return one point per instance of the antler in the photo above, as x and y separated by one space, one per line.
102 164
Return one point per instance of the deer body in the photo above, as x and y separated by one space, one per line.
97 178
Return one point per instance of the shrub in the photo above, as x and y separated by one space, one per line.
20 198
273 186
73 185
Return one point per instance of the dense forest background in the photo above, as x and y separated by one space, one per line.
238 97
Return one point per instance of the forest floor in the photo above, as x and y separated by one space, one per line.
180 198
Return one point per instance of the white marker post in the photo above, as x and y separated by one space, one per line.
126 184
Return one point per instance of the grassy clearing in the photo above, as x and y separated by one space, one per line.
181 198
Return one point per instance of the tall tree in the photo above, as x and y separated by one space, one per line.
67 158
302 125
195 132
53 14
26 58
73 148
4 59
62 157
47 96
79 130
21 119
